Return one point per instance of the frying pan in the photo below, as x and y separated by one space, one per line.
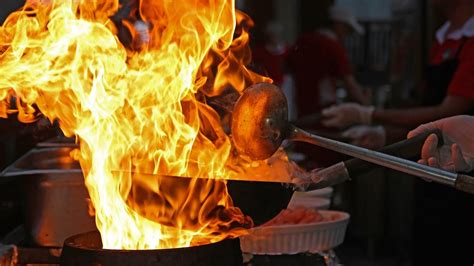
259 200
263 200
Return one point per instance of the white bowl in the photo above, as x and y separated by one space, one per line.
294 239
321 193
309 202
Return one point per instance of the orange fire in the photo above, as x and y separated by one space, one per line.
141 110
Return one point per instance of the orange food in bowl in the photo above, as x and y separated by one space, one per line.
298 215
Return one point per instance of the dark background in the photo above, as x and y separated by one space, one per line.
389 59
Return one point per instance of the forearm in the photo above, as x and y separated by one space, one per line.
412 117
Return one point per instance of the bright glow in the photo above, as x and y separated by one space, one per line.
139 111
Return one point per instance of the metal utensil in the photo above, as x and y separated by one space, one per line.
55 197
58 142
408 149
260 124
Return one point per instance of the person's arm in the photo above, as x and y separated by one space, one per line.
355 91
349 114
451 106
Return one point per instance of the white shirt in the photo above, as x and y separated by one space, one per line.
467 30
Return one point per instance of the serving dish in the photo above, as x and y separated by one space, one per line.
300 238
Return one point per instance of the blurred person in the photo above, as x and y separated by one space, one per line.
443 217
449 84
318 60
270 56
271 53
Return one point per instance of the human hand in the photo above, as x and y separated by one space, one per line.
347 114
457 152
369 137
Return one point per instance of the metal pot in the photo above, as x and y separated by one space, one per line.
55 197
56 200
58 142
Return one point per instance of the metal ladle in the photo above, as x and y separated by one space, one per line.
260 125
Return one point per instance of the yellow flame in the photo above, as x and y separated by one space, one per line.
135 111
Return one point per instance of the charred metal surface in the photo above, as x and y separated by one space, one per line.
86 249
260 200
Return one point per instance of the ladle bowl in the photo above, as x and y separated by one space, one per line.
259 121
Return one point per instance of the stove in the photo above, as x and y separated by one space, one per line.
328 258
20 248
86 249
16 249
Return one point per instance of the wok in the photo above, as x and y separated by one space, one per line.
55 199
54 192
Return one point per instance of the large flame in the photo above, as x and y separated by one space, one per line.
139 110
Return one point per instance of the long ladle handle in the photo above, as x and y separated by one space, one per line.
407 149
461 182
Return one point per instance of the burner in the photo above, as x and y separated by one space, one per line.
86 249
303 259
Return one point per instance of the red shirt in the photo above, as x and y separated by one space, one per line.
272 63
316 62
462 83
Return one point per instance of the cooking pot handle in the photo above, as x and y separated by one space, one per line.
408 149
12 172
343 171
